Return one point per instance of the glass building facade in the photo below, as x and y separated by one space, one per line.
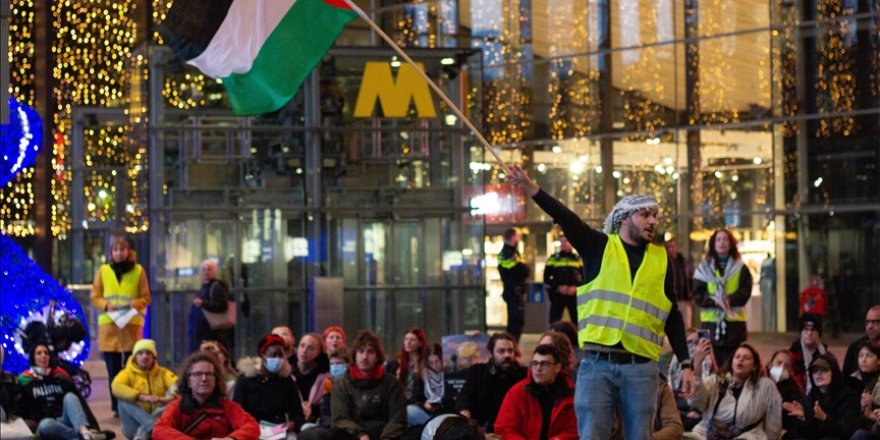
758 116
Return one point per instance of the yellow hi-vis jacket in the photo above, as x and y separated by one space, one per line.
615 307
119 293
735 314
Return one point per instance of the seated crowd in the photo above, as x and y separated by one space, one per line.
322 389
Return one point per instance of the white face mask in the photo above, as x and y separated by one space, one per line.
778 373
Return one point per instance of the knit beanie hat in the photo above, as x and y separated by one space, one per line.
268 341
145 344
333 329
813 321
626 207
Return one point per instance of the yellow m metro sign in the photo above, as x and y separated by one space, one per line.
394 96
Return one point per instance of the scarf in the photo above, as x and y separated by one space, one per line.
434 386
808 359
706 273
374 374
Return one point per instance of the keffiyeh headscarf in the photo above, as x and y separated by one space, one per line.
626 207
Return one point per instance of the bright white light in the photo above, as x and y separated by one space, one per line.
91 206
675 176
102 194
817 182
557 149
467 252
667 160
599 169
718 174
448 61
670 169
735 177
757 160
584 158
659 168
626 181
615 173
576 167
395 63
485 204
542 167
451 120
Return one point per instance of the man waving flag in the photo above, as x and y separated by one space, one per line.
262 50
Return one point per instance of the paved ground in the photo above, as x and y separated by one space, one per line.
765 343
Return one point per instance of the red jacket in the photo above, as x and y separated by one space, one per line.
227 420
520 415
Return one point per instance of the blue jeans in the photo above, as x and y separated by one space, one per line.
602 385
66 427
133 417
416 415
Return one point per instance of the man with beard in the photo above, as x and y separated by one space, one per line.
624 310
486 384
289 348
872 333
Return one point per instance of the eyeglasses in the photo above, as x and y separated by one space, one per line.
541 364
202 375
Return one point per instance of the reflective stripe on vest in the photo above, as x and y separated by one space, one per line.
736 314
508 263
120 294
565 262
615 307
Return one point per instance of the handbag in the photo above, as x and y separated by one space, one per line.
221 320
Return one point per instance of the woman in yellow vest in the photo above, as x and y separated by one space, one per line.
722 287
120 286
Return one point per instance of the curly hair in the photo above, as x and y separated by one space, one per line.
560 342
712 254
187 403
365 339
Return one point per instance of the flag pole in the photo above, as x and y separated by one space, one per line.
431 83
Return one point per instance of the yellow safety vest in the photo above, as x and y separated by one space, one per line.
615 307
120 294
736 314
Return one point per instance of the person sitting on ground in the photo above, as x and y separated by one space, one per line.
310 374
334 337
8 392
560 342
738 402
289 342
779 371
202 410
230 374
453 427
49 402
435 381
667 421
865 382
339 362
541 406
689 414
806 348
568 329
143 389
409 368
487 384
872 334
367 403
830 410
265 388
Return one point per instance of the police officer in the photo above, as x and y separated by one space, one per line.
562 274
514 274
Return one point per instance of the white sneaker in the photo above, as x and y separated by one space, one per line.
141 434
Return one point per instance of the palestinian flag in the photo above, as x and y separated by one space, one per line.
262 50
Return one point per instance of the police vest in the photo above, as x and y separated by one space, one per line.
615 307
120 294
735 314
508 263
558 260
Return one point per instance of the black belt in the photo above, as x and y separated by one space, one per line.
616 357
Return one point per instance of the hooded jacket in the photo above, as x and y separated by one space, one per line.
132 381
521 417
839 403
758 403
268 397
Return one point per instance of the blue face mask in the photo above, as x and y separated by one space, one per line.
337 370
273 365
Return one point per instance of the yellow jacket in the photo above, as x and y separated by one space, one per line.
110 337
132 382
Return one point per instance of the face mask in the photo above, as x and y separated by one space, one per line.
273 365
778 373
337 370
